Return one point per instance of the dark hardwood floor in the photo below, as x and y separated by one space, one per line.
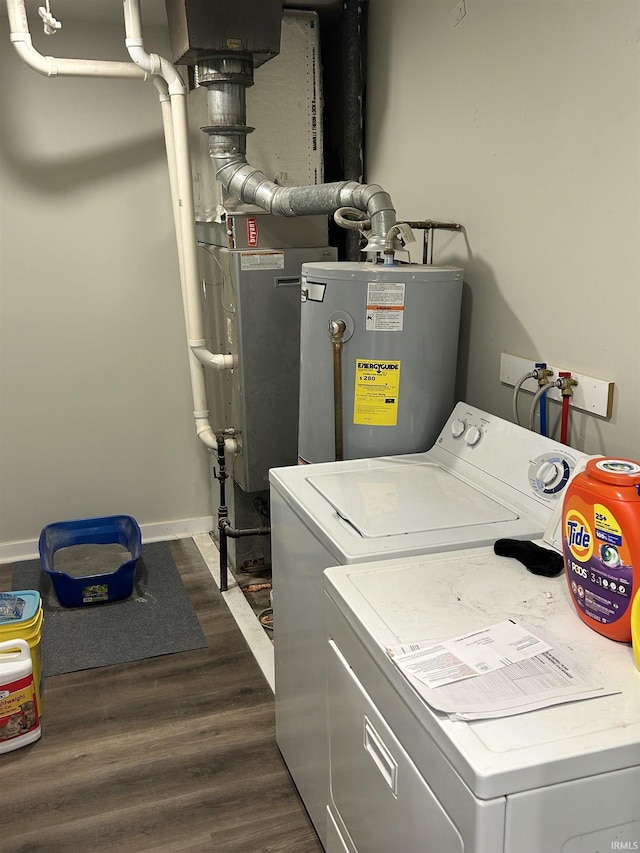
168 754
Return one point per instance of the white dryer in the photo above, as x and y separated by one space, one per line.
404 777
483 479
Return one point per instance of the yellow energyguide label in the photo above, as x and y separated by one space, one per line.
375 399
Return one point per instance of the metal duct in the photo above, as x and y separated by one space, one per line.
226 79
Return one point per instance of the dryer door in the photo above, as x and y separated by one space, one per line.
382 799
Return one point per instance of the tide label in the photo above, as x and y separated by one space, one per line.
597 559
579 536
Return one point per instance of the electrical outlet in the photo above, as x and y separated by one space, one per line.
589 395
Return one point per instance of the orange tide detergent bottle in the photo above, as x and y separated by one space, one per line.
601 544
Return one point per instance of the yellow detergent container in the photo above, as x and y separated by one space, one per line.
21 617
19 720
635 628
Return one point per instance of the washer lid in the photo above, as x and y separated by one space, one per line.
398 499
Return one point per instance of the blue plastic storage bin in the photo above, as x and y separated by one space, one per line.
92 588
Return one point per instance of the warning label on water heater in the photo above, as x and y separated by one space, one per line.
385 306
375 399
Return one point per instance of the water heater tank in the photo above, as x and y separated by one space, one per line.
395 360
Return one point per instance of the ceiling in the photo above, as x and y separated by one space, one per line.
110 11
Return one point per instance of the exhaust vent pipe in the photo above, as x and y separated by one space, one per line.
226 78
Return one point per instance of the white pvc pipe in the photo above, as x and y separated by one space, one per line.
177 140
218 361
151 63
52 66
198 391
173 103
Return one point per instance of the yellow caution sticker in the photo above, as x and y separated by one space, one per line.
375 400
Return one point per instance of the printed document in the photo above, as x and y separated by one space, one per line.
500 671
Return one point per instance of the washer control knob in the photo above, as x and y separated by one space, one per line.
473 436
547 473
458 427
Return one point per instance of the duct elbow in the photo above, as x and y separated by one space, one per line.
375 199
383 217
245 182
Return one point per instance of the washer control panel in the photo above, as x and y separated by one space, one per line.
468 430
533 464
473 435
458 427
550 473
470 433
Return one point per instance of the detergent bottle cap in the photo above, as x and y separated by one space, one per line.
615 472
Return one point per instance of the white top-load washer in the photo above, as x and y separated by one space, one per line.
483 479
405 777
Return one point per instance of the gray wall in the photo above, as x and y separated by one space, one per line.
522 122
95 400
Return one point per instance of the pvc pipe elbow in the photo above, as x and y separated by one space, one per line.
207 436
204 431
161 86
218 361
174 80
155 65
139 55
52 66
26 51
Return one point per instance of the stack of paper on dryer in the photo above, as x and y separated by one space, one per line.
496 672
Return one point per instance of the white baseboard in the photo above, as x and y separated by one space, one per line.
182 528
253 632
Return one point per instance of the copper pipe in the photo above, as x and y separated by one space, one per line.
336 332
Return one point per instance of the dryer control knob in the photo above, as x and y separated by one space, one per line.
458 427
473 436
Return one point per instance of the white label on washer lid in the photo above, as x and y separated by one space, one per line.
262 260
385 306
